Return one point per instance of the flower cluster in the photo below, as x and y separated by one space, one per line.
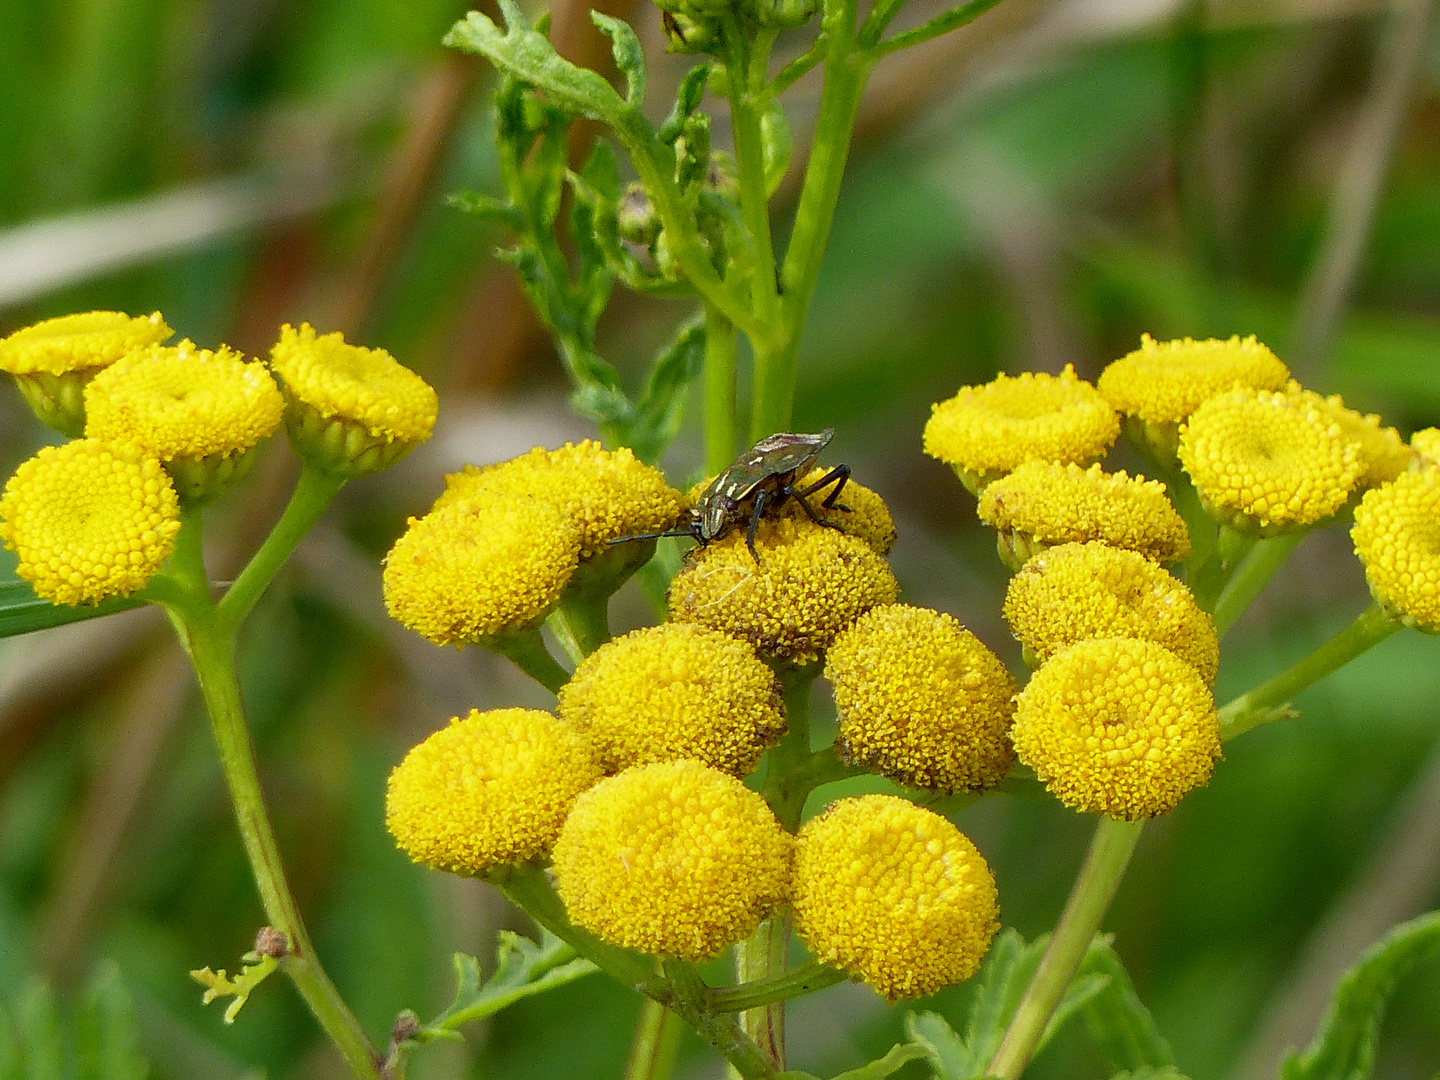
671 853
164 427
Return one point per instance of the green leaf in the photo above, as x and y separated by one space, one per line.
21 611
523 969
1344 1046
1164 1072
661 407
949 1056
254 969
1117 1020
629 56
487 207
687 99
592 223
526 55
900 1054
1078 995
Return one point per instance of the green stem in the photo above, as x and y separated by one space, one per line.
762 958
1255 570
211 650
314 492
1209 578
1105 863
941 24
809 977
581 622
1270 700
786 770
748 60
721 352
656 1041
526 649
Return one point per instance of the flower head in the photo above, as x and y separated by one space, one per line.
194 409
89 520
53 360
350 410
893 894
1425 449
606 493
1383 454
921 700
1268 462
677 690
864 515
1040 505
1163 382
1079 591
491 789
811 583
1397 537
985 431
673 859
1117 726
464 573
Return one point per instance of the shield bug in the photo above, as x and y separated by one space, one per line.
761 479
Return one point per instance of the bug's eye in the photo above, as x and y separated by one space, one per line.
726 503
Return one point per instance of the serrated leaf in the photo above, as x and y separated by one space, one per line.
661 407
254 970
1081 992
1118 1021
22 612
1344 1045
487 207
948 1055
629 56
527 55
687 99
523 968
603 404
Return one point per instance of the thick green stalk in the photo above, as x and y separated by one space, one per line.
1269 701
809 977
762 957
526 650
1255 570
786 771
313 494
747 64
1105 863
656 1040
581 622
1208 579
721 356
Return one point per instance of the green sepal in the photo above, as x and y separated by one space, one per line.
21 611
1344 1045
1118 1022
629 56
523 968
527 55
688 96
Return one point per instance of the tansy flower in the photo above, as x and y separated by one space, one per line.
53 360
1041 505
196 410
1079 591
350 410
89 520
606 493
1268 462
492 789
1383 454
865 514
1397 537
986 431
921 700
678 690
673 859
1163 382
894 895
811 583
463 573
1425 449
1117 726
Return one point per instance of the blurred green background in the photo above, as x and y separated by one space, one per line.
1037 190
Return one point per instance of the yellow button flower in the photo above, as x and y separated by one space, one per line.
676 691
492 789
89 520
1041 505
196 410
606 493
53 360
1079 591
810 584
921 700
1383 454
673 859
894 895
1397 537
1117 726
1267 462
986 431
463 573
1163 382
350 410
1425 449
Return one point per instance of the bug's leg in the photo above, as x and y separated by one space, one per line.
810 512
838 476
762 498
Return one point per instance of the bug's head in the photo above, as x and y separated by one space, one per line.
714 516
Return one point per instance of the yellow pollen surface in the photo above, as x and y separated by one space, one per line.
89 340
894 895
1397 537
1163 382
